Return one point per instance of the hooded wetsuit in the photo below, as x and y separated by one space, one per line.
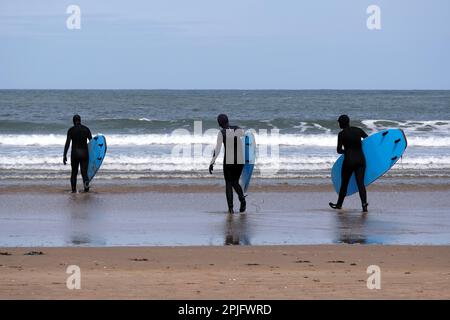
79 135
233 162
349 144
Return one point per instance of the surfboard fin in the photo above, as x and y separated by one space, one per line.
394 158
385 133
398 140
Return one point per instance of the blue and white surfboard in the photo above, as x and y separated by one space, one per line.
97 151
249 151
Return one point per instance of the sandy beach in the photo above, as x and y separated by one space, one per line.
256 272
122 124
165 244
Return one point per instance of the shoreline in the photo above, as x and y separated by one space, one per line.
59 188
248 272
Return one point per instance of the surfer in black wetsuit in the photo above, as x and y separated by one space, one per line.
78 134
349 144
233 161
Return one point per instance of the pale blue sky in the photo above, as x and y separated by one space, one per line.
225 44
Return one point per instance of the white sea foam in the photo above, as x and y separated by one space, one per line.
307 140
441 126
304 126
168 164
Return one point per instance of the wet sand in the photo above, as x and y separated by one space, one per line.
124 244
33 219
248 272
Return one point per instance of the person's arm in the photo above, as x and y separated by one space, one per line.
340 148
216 151
363 133
66 147
89 134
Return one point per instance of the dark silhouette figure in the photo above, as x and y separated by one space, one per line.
233 162
349 144
79 157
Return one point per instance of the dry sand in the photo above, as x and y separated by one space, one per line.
229 272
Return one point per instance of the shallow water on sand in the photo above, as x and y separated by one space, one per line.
153 218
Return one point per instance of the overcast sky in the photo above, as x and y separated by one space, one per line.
225 44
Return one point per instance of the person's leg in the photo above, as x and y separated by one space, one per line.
84 168
346 174
359 175
74 162
237 171
229 194
237 187
227 173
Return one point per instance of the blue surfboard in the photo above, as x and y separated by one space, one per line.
97 152
249 151
381 150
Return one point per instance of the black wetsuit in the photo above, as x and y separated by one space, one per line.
79 135
349 144
232 172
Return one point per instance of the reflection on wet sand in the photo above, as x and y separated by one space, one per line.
165 219
351 228
237 230
82 223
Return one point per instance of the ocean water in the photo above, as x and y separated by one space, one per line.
161 134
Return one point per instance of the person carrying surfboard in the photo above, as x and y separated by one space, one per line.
233 162
79 157
349 144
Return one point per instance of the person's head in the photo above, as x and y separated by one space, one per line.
76 119
344 121
222 119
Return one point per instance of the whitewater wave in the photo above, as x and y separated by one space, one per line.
442 126
188 164
307 140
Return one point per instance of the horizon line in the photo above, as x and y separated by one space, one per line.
214 89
